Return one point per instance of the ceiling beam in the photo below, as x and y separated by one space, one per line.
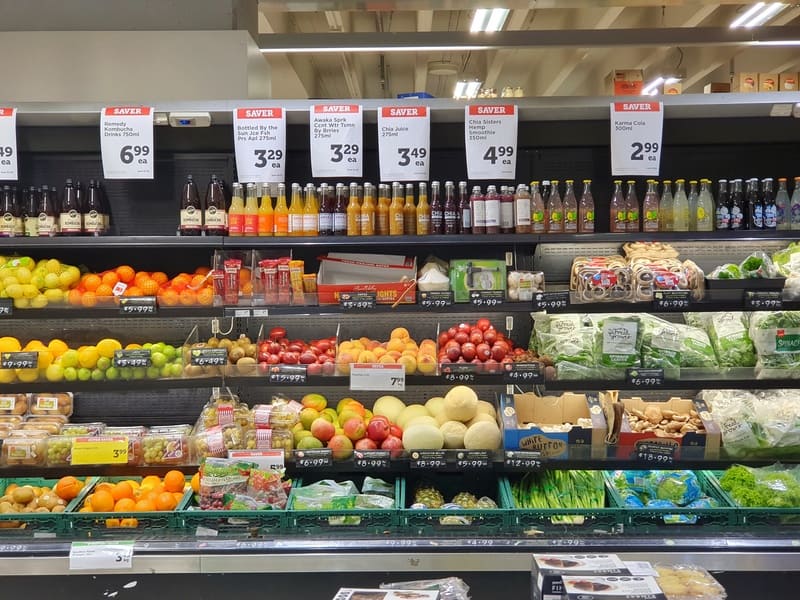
424 23
292 82
516 22
350 70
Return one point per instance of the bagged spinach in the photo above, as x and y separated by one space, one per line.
618 342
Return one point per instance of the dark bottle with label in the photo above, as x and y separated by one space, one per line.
451 224
768 202
437 210
80 199
340 210
191 215
30 212
93 217
736 203
70 223
101 192
464 208
18 201
722 214
47 214
755 206
326 207
215 215
7 213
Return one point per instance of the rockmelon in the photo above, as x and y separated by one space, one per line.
453 432
482 436
435 406
423 437
410 412
461 403
487 408
389 407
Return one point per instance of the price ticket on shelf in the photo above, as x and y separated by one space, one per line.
377 377
404 142
126 142
99 451
337 140
636 137
85 556
490 133
259 138
8 144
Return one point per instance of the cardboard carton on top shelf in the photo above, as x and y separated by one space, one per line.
717 88
673 89
768 82
625 82
787 82
746 82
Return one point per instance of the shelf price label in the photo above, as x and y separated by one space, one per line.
138 305
523 373
337 140
763 300
473 459
132 358
436 299
490 133
372 460
296 374
259 138
550 300
662 453
6 307
99 451
8 144
88 556
458 373
404 142
428 459
357 300
208 357
644 378
317 458
19 360
377 377
126 142
522 460
672 300
483 298
636 137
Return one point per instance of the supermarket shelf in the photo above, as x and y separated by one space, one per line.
95 470
117 385
112 312
137 241
741 379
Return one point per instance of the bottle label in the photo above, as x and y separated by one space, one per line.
633 216
506 215
523 212
325 221
423 224
437 217
191 218
758 216
538 216
295 223
556 216
31 226
266 223
340 221
736 218
571 216
310 224
723 217
236 223
770 217
479 214
451 216
215 218
493 214
651 215
93 222
70 222
7 225
281 223
19 226
466 218
251 224
47 225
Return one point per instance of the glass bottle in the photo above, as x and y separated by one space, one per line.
340 210
737 205
382 217
7 212
296 209
409 212
722 213
650 208
794 202
423 211
666 208
396 210
70 216
310 211
705 207
215 218
506 210
522 209
250 211
327 204
80 199
281 213
368 210
632 208
478 207
618 213
754 206
93 219
437 209
782 205
538 223
47 213
236 212
266 215
546 189
570 208
191 219
30 212
353 212
768 202
19 227
464 209
692 200
586 209
680 208
450 208
492 201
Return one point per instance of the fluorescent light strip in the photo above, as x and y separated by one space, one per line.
480 20
769 12
366 49
775 43
497 20
758 14
651 89
745 16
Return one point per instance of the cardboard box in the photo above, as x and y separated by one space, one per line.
687 446
377 594
389 276
471 274
768 82
611 587
673 89
745 82
548 569
716 88
787 82
625 82
548 413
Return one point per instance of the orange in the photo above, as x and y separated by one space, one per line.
89 299
112 523
159 277
133 291
170 297
145 506
104 486
91 282
67 488
104 291
110 278
166 501
74 297
196 483
57 347
202 270
174 481
122 490
140 276
129 523
245 275
148 286
133 347
205 296
179 282
85 509
151 481
188 297
178 497
125 505
102 501
125 273
198 281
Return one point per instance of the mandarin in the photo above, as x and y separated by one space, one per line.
145 506
174 481
122 490
159 277
125 273
110 278
166 501
125 505
91 282
102 501
89 299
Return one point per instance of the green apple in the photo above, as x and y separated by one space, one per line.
98 375
70 374
176 370
158 359
103 363
84 374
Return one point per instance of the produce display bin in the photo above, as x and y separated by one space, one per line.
339 522
481 521
35 524
233 523
756 517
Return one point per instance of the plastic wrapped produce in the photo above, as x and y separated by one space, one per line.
450 588
728 334
618 342
776 337
688 582
696 348
661 345
775 486
601 279
563 338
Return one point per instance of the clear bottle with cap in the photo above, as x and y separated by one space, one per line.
680 207
554 209
650 208
437 209
382 216
586 212
570 208
340 210
215 217
692 199
266 214
632 208
281 212
251 210
506 210
478 206
782 205
396 210
618 212
423 211
492 201
705 207
522 209
794 203
296 208
464 209
770 208
236 212
450 209
722 212
368 210
410 212
754 206
666 207
310 211
538 212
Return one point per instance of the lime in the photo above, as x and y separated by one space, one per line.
70 374
69 358
112 373
98 375
103 363
153 372
159 359
84 374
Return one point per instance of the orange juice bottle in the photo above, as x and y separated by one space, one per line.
423 211
236 212
396 215
382 214
266 216
251 211
296 211
281 212
368 210
353 212
410 212
311 211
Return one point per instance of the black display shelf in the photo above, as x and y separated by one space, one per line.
95 470
719 381
112 312
112 241
116 385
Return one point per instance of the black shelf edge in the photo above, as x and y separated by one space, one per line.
668 236
696 383
113 241
112 312
95 471
117 385
378 240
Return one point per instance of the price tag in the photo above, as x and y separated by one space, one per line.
550 300
523 373
458 373
357 300
259 137
138 305
404 142
209 357
6 307
487 297
372 460
99 451
473 459
297 374
763 300
132 358
669 300
268 460
644 378
662 453
337 140
19 360
490 133
88 556
428 459
377 377
126 142
569 542
435 299
313 459
522 460
8 144
636 137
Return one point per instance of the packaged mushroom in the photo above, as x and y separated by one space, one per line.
433 276
665 274
522 285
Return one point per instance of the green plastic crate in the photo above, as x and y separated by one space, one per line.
651 520
343 521
532 521
482 521
757 517
95 524
33 524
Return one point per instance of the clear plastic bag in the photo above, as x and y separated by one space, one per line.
688 582
450 588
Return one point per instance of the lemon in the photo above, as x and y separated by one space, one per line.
21 303
54 296
14 291
23 275
9 344
29 291
39 301
7 376
52 280
9 280
54 373
53 266
45 359
27 375
106 347
87 358
34 345
69 358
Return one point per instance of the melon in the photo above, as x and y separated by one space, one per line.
461 403
487 408
480 417
483 435
423 419
423 437
435 406
409 413
453 432
389 407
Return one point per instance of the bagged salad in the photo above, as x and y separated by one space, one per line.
775 486
332 495
618 341
728 334
776 337
661 345
564 338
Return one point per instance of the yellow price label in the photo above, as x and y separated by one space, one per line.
99 451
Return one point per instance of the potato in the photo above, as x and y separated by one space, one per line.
58 508
47 501
23 495
6 507
42 509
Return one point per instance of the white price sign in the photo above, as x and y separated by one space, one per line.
636 137
337 140
377 377
490 133
259 136
89 556
404 142
126 142
8 144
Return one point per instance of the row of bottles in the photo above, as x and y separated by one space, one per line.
39 212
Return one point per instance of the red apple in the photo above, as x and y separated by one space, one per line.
290 358
396 431
329 368
314 369
307 357
443 360
273 359
366 444
393 443
490 336
498 352
378 428
454 353
277 333
492 366
462 337
263 356
322 429
452 332
323 345
295 347
476 336
483 324
484 352
444 337
469 351
342 446
464 327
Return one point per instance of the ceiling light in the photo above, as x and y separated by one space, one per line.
442 68
466 89
373 49
489 20
775 43
758 14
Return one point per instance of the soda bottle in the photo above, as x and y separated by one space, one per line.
450 208
632 208
31 213
310 211
680 208
705 207
570 205
546 189
586 209
353 212
506 210
737 206
250 211
755 205
281 212
382 218
478 208
492 201
368 210
692 200
191 215
215 218
47 213
106 210
70 217
794 213
327 203
782 205
7 212
93 220
650 208
538 224
437 210
266 216
666 208
236 212
79 199
522 209
554 209
618 212
423 211
296 209
722 214
768 202
464 208
410 212
19 226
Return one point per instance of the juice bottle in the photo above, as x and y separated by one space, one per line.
437 210
632 208
650 208
215 218
281 212
554 210
266 216
47 213
754 207
618 212
782 205
311 211
327 204
396 214
70 222
666 208
409 212
340 210
251 211
382 216
586 209
506 210
423 211
236 212
7 215
191 217
464 208
794 203
478 205
368 210
492 200
522 209
680 208
570 205
768 201
31 213
692 200
537 209
722 214
737 202
353 212
450 209
705 207
296 212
